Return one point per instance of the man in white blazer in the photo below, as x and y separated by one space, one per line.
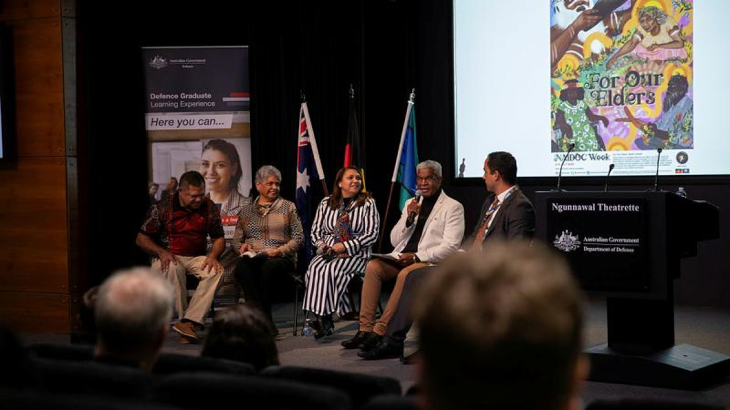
430 229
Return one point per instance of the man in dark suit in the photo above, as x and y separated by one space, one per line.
506 215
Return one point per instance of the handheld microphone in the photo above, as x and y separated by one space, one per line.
560 173
412 215
656 177
610 168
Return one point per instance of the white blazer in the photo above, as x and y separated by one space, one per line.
441 235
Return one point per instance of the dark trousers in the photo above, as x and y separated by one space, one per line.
255 275
402 321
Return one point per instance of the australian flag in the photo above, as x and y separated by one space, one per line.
309 170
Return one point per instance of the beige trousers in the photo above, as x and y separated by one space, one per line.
204 294
378 271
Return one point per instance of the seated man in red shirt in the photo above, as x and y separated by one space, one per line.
175 233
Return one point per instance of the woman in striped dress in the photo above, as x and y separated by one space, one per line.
344 229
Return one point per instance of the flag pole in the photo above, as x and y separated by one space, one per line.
411 99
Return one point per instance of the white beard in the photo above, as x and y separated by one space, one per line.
564 17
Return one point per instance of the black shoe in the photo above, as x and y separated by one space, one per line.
383 351
411 358
371 342
357 340
324 327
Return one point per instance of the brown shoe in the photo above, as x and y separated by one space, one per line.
185 329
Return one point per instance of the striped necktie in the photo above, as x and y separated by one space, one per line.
477 245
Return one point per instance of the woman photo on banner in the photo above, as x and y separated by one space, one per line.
221 167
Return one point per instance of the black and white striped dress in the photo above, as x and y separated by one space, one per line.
327 281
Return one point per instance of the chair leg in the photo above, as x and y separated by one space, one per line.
296 307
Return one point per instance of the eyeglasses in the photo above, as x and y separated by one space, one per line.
424 179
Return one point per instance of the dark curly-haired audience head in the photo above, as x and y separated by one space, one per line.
242 333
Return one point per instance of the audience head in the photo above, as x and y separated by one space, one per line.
348 184
172 185
15 371
133 309
501 329
221 166
152 188
268 183
192 189
500 171
243 334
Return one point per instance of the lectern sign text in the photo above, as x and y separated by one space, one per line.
604 240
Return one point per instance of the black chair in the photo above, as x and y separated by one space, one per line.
166 363
169 363
360 387
62 351
41 400
92 378
298 280
650 404
391 402
201 390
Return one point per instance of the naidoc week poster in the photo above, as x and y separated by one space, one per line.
621 85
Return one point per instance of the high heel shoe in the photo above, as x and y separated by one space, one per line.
324 326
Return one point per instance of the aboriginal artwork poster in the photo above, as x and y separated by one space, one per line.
621 75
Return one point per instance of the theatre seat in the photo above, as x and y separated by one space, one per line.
361 388
203 390
169 363
92 378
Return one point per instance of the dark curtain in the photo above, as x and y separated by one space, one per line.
318 47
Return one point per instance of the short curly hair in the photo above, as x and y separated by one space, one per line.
654 12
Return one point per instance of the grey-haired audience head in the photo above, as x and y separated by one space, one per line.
133 309
501 329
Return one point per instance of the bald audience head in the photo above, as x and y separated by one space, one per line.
502 329
133 310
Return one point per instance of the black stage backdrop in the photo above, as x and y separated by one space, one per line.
383 47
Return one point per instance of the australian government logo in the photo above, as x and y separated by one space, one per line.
158 62
610 244
567 242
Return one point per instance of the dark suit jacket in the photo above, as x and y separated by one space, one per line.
515 220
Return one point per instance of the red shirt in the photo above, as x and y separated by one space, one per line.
180 230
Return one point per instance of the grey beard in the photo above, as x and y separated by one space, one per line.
670 99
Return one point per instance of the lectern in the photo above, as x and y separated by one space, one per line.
627 246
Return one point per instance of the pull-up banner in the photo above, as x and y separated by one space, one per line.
197 117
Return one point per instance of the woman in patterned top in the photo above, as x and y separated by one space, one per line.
344 229
221 168
268 236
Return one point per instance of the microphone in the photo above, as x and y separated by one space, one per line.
610 168
656 177
412 215
560 173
